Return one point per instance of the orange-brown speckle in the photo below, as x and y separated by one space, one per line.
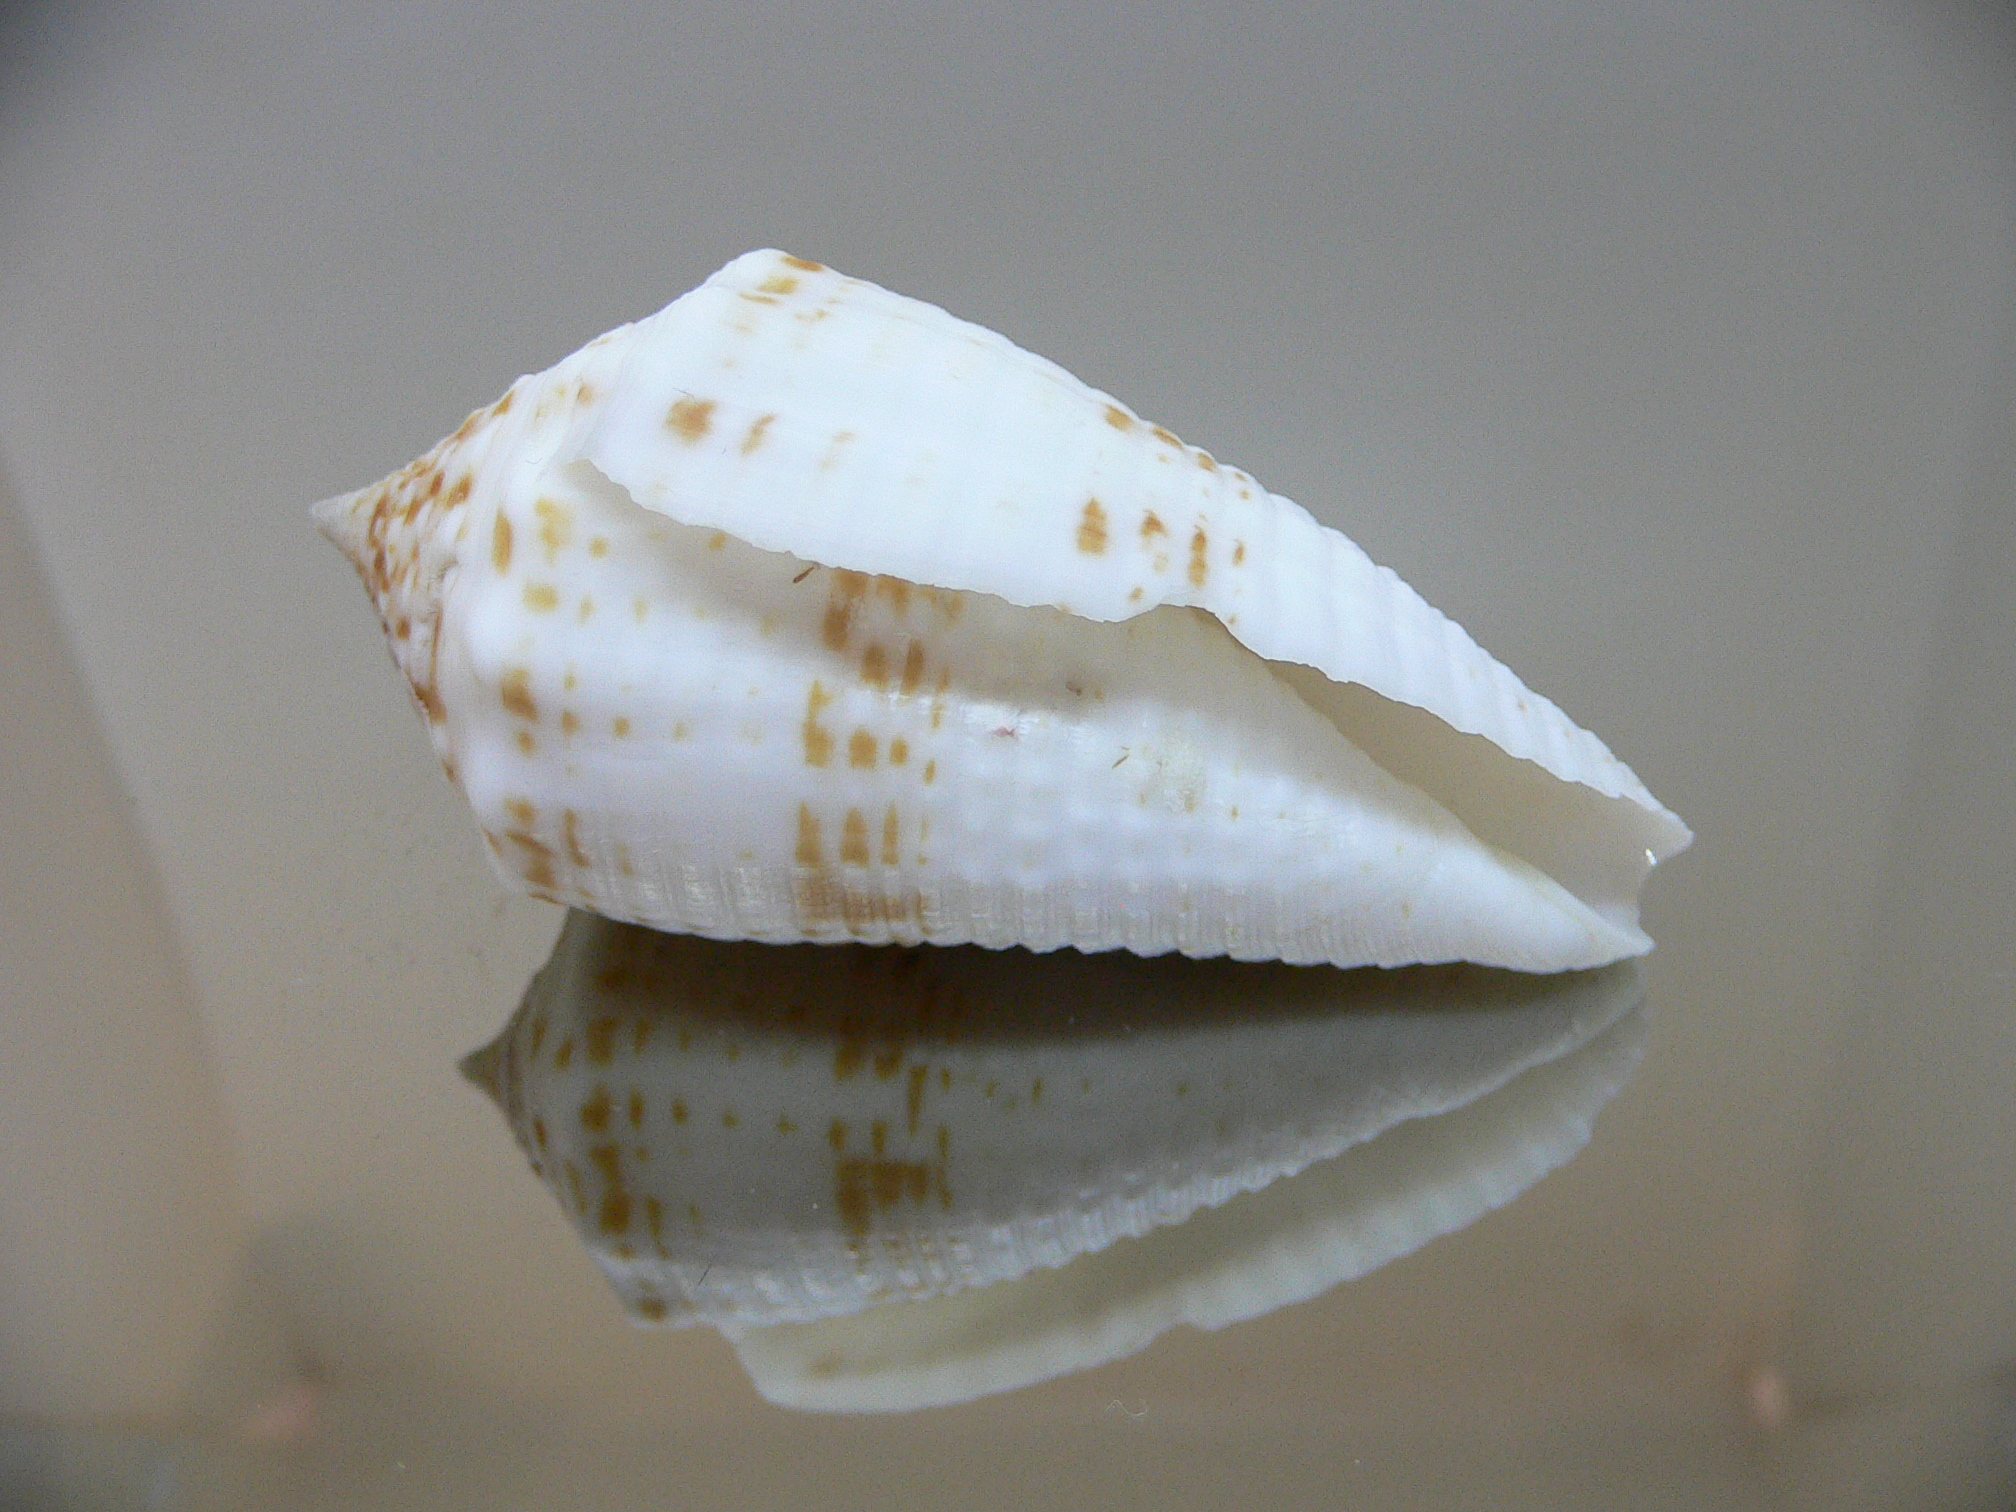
717 540
875 666
619 727
861 749
802 265
784 1124
808 836
460 491
899 751
615 1215
522 813
754 437
598 546
500 542
889 835
515 689
678 1110
841 601
690 419
541 598
636 1108
570 831
778 283
1199 567
1167 437
539 1132
570 722
651 1309
854 839
913 667
930 771
595 1111
1206 461
556 525
1238 552
563 1056
818 739
1118 418
527 746
1092 528
728 1118
1152 526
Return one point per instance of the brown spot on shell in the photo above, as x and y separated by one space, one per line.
803 265
541 598
875 666
620 727
1092 528
754 438
890 830
515 690
842 599
1238 552
690 419
1118 418
1199 566
595 1111
570 831
808 836
899 751
779 283
500 542
854 839
1168 437
861 749
556 525
913 667
1152 526
818 739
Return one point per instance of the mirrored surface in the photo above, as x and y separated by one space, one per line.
1669 351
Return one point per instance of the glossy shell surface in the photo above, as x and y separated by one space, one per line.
802 611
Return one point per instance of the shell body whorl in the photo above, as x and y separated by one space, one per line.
802 611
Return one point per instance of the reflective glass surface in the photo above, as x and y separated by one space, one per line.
1671 350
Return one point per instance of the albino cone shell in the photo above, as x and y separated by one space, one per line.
749 1135
804 611
1286 1243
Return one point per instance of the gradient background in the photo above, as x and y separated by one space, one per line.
1670 348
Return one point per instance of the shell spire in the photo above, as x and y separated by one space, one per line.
804 611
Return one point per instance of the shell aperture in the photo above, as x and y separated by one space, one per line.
964 1170
801 611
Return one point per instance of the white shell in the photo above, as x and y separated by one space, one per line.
749 1135
804 611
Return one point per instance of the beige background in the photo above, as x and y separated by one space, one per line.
1670 348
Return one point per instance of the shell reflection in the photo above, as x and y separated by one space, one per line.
1050 1158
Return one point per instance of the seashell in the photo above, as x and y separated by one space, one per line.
1287 1243
748 1135
804 611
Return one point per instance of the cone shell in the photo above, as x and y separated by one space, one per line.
747 1135
802 611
